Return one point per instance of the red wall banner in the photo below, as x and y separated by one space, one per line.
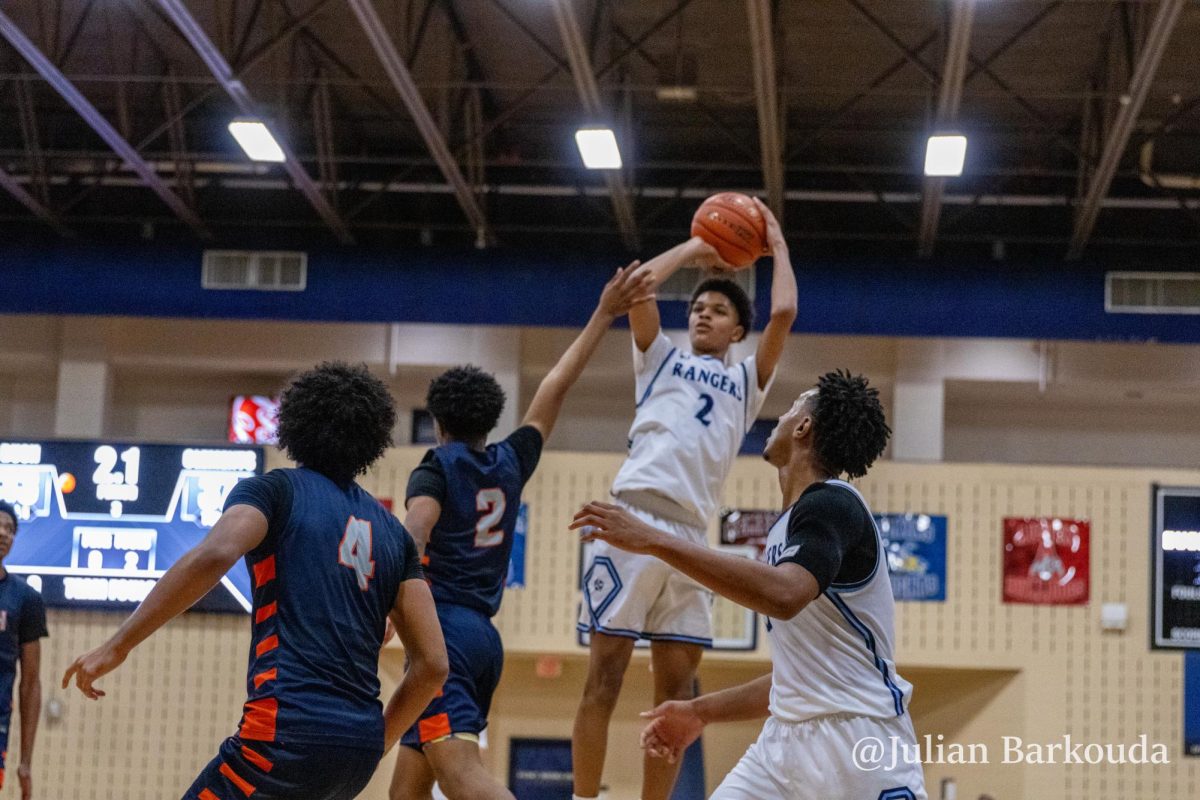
1046 561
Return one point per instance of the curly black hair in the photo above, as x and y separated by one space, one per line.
849 429
7 508
336 419
466 402
736 294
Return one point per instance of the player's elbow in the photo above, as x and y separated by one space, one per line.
784 312
431 669
788 601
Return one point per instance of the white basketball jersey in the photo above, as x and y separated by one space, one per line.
692 414
836 656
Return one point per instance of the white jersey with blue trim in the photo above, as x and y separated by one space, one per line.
837 655
692 414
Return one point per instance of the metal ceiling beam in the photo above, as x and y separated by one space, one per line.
13 187
38 60
589 96
954 73
1161 29
237 91
406 87
766 96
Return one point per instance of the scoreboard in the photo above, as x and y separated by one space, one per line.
1175 565
100 522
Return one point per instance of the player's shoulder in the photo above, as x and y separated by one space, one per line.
826 497
23 590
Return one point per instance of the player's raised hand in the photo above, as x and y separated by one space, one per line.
705 255
628 287
90 666
673 727
615 525
774 239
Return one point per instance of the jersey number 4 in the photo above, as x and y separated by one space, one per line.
355 551
490 504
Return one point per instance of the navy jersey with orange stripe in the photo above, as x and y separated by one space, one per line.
325 578
466 559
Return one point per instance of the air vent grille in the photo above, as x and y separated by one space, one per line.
255 270
1152 293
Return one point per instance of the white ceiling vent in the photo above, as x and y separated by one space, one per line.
255 270
1152 292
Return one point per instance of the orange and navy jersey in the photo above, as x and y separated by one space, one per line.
466 558
325 578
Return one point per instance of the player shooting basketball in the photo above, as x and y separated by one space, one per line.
693 411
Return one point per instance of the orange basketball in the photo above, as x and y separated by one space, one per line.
732 224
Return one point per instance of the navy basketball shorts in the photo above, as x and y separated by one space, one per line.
4 721
273 771
476 660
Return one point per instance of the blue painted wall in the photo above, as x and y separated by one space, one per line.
985 299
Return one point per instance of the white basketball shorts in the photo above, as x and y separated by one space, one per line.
639 597
815 760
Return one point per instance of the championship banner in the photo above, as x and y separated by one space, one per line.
540 769
915 545
1046 561
1175 573
739 527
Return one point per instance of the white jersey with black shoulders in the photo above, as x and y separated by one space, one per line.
837 656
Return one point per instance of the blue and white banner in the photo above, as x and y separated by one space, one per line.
915 546
516 560
1191 703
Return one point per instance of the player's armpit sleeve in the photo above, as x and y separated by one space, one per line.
267 493
427 480
646 363
755 396
819 534
33 619
527 442
412 559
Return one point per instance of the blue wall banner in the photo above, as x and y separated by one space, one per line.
516 559
1191 703
915 546
540 769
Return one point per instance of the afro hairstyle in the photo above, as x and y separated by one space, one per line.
336 419
849 429
466 402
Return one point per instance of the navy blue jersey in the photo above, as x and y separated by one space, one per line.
22 620
466 559
325 578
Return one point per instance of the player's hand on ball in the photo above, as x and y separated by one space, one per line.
705 255
673 727
630 286
615 525
25 775
775 240
90 666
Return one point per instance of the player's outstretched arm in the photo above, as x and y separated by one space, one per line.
627 288
783 301
779 592
675 724
31 710
415 618
239 530
644 320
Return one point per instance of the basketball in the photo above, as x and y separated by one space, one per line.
732 223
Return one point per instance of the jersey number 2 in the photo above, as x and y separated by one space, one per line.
706 407
355 551
490 504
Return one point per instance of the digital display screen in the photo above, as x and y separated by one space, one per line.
99 523
1176 568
